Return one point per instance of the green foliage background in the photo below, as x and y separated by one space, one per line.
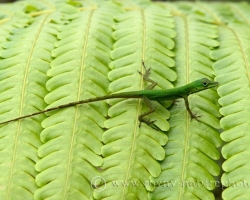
58 51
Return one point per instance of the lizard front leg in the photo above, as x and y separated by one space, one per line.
151 110
193 116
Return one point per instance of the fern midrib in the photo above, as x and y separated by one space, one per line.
78 98
236 36
139 107
21 106
213 15
187 120
236 10
243 53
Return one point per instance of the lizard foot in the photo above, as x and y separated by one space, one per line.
150 123
146 75
147 72
195 116
146 121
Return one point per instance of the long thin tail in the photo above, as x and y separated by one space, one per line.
112 96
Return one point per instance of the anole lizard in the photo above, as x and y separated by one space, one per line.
146 95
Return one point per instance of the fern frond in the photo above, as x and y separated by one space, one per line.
10 21
130 4
189 166
72 137
54 52
157 55
24 63
131 153
232 71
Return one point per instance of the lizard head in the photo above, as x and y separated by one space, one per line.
202 84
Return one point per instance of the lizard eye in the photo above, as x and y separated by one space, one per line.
205 84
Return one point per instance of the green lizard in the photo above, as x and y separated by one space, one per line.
146 95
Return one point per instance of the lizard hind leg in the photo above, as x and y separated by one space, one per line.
151 110
146 77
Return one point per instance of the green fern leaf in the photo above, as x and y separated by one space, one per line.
58 51
188 168
129 151
24 62
9 21
232 70
72 137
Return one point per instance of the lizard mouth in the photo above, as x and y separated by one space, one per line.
216 83
213 84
